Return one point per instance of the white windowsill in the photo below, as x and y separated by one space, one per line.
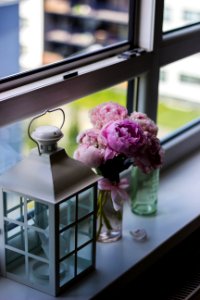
178 216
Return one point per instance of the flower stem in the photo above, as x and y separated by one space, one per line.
99 214
102 199
106 221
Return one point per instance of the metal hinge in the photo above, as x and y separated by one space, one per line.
133 53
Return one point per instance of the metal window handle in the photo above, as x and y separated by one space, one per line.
40 115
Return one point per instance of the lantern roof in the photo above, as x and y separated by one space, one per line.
50 176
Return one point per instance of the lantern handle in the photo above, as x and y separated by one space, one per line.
40 115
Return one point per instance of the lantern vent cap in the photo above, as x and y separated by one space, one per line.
47 134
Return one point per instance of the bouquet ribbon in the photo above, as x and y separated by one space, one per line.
117 190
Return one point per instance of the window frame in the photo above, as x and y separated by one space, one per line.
94 73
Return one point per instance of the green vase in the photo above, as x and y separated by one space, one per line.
144 192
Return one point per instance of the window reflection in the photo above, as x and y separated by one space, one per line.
74 27
10 146
64 28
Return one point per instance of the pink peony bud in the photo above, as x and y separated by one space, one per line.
106 112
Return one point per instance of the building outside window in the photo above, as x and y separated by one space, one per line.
189 79
191 16
182 13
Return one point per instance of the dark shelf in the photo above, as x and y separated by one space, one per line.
174 276
107 16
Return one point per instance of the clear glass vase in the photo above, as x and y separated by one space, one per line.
109 220
144 192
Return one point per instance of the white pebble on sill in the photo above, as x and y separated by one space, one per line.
139 234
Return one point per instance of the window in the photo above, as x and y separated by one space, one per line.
137 62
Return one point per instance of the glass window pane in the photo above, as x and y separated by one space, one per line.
67 211
85 231
37 214
67 270
13 206
85 202
180 13
179 94
64 28
11 140
16 139
67 241
15 263
39 273
14 235
84 258
38 242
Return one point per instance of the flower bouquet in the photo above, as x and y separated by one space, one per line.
114 143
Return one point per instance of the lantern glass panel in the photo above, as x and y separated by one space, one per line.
85 202
67 241
13 206
84 258
14 235
38 242
39 272
15 263
67 269
85 230
67 211
37 214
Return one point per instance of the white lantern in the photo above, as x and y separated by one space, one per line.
48 216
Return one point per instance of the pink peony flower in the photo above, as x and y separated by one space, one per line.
91 137
147 125
118 140
151 156
89 155
124 137
88 137
106 112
